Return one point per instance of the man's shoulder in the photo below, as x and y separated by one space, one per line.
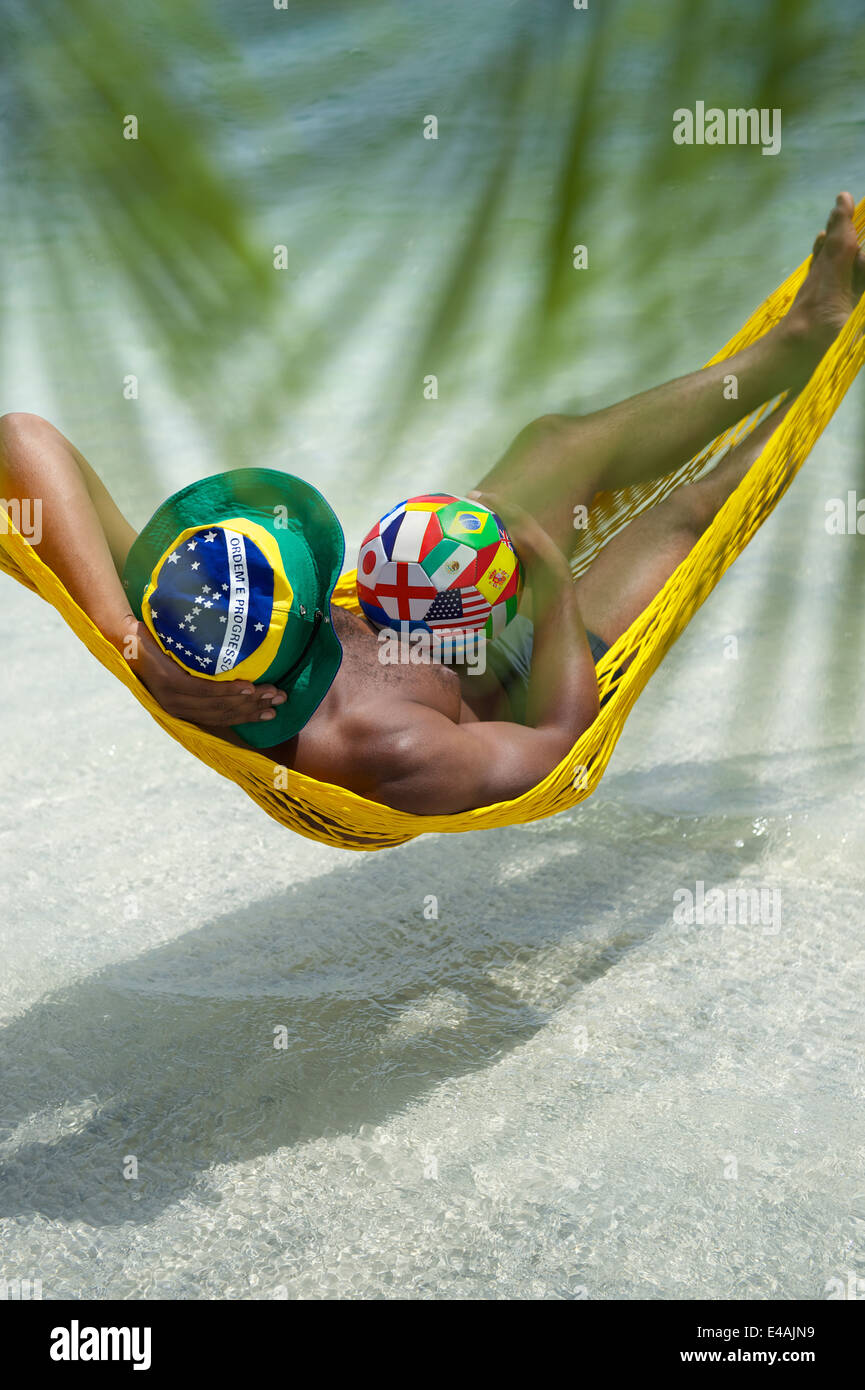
390 732
397 753
370 749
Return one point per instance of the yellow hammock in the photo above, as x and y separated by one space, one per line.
339 817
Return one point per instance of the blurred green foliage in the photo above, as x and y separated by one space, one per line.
302 127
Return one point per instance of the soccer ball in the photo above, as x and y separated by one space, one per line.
441 564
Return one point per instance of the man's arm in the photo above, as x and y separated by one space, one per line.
85 539
435 767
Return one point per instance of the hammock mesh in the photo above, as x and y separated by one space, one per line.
339 817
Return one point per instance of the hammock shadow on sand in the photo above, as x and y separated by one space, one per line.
170 1056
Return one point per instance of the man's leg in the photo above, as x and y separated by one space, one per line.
630 570
560 461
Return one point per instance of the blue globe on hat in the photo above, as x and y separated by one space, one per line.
234 576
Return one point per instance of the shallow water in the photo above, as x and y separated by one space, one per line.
551 1089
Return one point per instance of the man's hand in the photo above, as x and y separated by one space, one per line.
218 704
537 550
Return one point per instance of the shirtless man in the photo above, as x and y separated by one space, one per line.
427 738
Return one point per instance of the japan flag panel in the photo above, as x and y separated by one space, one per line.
370 559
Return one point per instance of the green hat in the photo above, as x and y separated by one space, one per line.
233 576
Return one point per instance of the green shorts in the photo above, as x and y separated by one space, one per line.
509 657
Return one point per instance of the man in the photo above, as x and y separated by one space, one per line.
425 738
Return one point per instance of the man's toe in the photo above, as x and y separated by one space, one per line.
841 213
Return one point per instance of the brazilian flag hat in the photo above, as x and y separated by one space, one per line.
233 576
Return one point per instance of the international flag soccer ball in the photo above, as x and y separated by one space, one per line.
441 564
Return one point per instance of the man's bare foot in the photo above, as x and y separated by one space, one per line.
835 280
